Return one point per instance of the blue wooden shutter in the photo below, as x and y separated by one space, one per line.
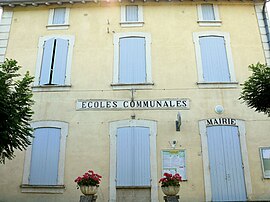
59 16
208 12
214 59
133 156
226 171
46 62
60 62
217 163
45 157
142 156
124 157
234 167
132 64
132 13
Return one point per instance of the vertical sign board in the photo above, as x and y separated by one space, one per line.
174 161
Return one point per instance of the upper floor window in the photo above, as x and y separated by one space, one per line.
58 18
54 61
265 159
208 15
214 59
132 60
44 161
131 15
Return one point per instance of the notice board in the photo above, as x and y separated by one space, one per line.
174 161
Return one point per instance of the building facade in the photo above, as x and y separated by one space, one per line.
111 80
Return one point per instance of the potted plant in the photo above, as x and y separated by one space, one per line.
170 184
88 183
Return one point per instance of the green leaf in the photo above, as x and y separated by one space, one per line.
15 109
256 90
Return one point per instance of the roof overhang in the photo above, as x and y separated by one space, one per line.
13 3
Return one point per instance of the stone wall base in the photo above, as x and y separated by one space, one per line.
89 198
171 198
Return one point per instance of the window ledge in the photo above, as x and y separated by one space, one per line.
131 24
51 88
133 187
117 86
209 23
57 27
217 84
50 189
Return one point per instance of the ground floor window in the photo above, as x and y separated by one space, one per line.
133 156
45 158
133 161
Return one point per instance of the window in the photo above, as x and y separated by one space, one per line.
208 15
131 15
54 61
44 161
132 61
265 159
45 156
133 157
214 59
58 18
134 139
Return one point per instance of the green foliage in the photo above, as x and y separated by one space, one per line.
256 90
15 110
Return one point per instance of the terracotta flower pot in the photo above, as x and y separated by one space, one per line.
170 190
88 190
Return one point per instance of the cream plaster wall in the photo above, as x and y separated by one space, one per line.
174 75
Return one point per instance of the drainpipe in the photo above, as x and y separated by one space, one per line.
1 12
265 21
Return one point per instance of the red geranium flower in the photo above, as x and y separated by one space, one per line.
170 180
88 179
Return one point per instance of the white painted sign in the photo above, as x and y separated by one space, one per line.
132 104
